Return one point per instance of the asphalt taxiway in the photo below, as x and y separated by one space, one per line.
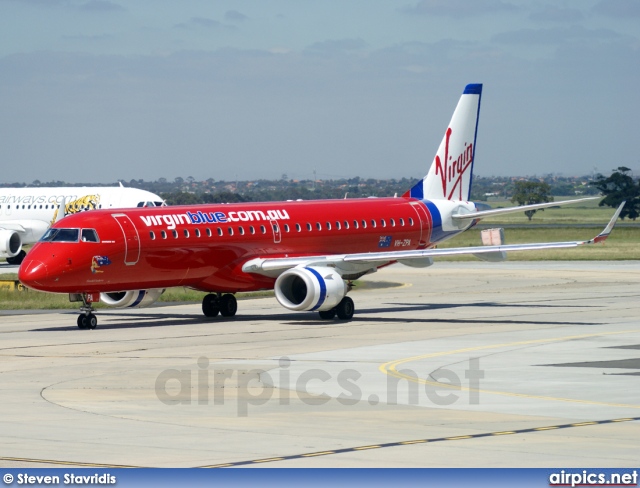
460 364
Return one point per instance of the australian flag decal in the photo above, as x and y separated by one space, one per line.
385 241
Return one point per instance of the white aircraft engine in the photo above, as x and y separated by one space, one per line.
310 288
131 299
10 243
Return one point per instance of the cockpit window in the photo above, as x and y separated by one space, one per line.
61 235
89 235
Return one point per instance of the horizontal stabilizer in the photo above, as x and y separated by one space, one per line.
501 211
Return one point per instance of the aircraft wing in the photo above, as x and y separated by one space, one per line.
274 266
13 225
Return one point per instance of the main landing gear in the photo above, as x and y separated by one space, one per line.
344 310
225 305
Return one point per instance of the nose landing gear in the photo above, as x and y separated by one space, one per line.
86 319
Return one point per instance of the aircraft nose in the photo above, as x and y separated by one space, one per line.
32 273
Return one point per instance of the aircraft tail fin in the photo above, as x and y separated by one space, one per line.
450 175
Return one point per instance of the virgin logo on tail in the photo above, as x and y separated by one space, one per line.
453 170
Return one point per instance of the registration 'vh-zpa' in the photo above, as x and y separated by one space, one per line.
307 251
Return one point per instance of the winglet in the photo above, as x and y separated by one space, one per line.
62 210
607 230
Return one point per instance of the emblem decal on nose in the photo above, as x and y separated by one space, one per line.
97 262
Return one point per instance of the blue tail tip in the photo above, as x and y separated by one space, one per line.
473 89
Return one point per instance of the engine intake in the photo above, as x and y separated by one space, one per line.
10 243
131 299
310 288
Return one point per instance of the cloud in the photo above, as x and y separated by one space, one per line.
551 13
555 35
459 8
90 38
336 46
618 8
234 16
101 6
203 22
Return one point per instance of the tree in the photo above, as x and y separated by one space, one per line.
617 188
530 192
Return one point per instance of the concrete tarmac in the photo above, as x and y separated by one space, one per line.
458 365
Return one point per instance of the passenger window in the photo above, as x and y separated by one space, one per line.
298 228
208 232
308 226
383 223
152 235
89 235
364 224
186 233
355 224
328 225
337 225
241 230
175 233
219 231
286 227
197 232
252 229
230 229
346 224
410 221
163 234
263 229
401 222
392 222
373 223
318 226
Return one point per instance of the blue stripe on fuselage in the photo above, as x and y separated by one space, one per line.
437 234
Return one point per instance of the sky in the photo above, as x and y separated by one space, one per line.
106 90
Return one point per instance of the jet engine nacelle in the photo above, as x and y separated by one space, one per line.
310 288
131 299
10 243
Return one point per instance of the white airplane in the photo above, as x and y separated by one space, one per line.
27 213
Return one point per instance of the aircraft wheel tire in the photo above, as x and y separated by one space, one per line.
92 321
228 305
345 309
327 314
210 307
82 321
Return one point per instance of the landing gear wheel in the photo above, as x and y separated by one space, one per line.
17 259
228 305
82 321
345 309
92 321
87 321
328 314
210 306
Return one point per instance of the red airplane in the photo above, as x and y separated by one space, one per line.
307 251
